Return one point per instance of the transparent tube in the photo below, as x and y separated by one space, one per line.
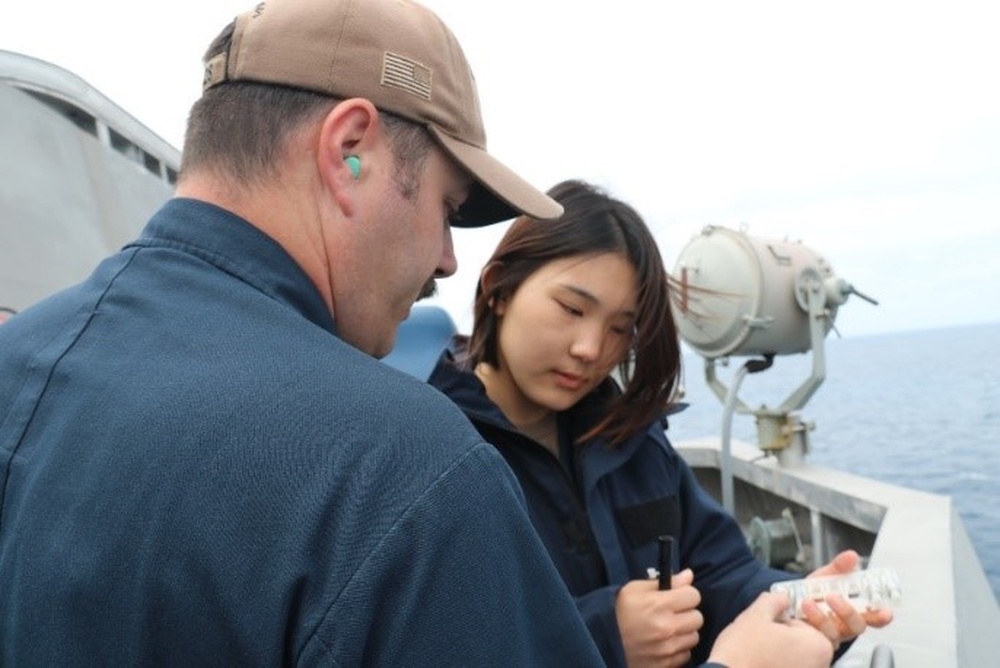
871 589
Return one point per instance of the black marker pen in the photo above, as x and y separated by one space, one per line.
665 563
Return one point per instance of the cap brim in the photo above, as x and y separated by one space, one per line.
499 193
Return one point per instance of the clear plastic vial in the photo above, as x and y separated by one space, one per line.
870 589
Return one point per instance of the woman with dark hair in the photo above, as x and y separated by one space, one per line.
570 370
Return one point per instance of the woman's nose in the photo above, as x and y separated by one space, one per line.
588 341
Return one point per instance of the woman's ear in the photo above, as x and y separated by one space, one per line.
487 282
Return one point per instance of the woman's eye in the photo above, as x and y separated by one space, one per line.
569 308
625 331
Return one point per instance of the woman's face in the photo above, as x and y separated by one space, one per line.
563 331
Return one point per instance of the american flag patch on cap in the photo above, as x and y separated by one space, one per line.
409 75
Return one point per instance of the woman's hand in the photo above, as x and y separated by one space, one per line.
842 622
659 628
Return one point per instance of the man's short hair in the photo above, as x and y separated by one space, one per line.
241 129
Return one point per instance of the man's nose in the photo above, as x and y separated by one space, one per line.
448 264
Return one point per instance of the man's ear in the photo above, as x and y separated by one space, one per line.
348 132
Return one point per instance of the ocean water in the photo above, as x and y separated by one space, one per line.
919 409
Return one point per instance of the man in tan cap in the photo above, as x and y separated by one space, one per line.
201 462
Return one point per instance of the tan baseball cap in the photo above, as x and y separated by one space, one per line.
399 55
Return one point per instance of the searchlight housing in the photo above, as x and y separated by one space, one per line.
743 296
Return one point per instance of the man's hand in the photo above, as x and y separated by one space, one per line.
761 637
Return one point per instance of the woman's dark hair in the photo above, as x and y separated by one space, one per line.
592 223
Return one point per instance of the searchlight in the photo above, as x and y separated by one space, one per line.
742 296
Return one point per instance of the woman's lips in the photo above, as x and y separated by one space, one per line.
568 381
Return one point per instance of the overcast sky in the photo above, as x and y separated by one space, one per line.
868 130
